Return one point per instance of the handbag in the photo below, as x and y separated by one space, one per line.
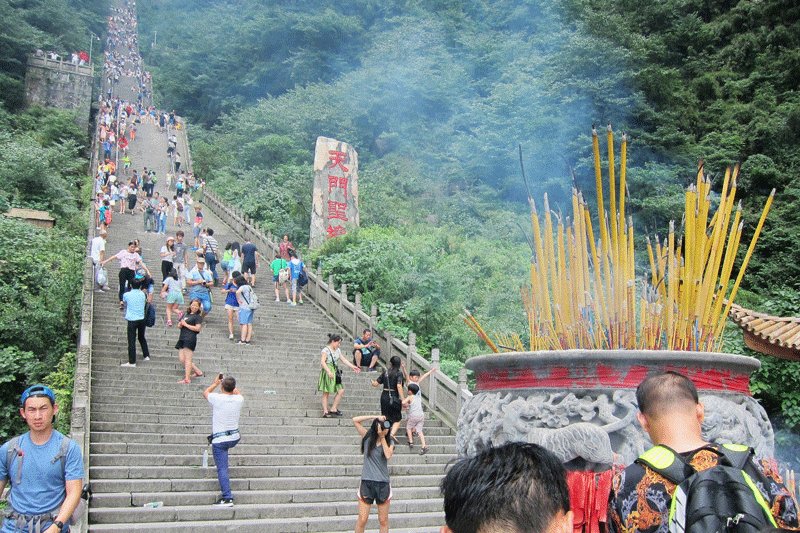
337 371
394 399
150 315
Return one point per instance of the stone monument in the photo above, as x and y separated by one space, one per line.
334 209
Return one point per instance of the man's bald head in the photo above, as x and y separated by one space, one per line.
667 392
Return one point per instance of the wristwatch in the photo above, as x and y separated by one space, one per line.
59 524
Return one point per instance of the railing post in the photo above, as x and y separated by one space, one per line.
462 386
432 390
328 299
373 318
412 349
357 308
342 299
317 283
389 347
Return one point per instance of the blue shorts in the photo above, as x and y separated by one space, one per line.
205 299
245 316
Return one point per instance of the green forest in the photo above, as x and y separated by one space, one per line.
437 96
43 165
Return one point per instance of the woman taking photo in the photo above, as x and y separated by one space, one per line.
377 446
392 396
190 326
330 378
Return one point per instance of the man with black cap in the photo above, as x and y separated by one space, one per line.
44 468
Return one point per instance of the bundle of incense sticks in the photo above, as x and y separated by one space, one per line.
584 293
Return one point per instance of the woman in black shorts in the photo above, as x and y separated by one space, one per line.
393 394
190 326
377 446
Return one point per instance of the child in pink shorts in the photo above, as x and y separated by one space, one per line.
416 417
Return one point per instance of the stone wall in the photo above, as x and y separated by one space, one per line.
60 84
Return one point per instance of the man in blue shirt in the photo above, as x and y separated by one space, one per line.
249 262
46 486
199 280
296 267
366 350
136 300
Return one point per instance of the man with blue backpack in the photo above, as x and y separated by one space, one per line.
685 484
297 271
44 468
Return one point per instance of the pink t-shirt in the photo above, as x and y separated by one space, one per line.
128 260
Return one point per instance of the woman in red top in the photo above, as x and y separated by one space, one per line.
284 247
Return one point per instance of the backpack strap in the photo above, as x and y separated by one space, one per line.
14 450
665 461
738 455
63 449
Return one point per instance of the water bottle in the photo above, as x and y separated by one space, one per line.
153 505
205 458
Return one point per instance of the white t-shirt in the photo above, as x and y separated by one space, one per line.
415 407
98 245
225 414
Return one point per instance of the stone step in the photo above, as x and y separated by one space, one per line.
278 495
199 406
274 417
183 513
118 471
342 458
304 450
100 486
313 426
414 522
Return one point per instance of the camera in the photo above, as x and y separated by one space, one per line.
385 424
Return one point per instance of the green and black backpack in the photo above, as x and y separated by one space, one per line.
721 499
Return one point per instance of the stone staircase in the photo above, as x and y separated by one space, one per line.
292 471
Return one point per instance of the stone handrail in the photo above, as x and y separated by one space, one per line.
82 383
60 64
444 396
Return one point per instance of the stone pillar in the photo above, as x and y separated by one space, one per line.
334 209
412 349
433 378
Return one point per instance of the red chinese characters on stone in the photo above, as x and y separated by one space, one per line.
337 210
335 231
335 182
336 159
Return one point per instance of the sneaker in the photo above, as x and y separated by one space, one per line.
106 288
241 342
372 369
423 451
277 299
146 359
99 290
128 365
224 502
230 336
294 304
